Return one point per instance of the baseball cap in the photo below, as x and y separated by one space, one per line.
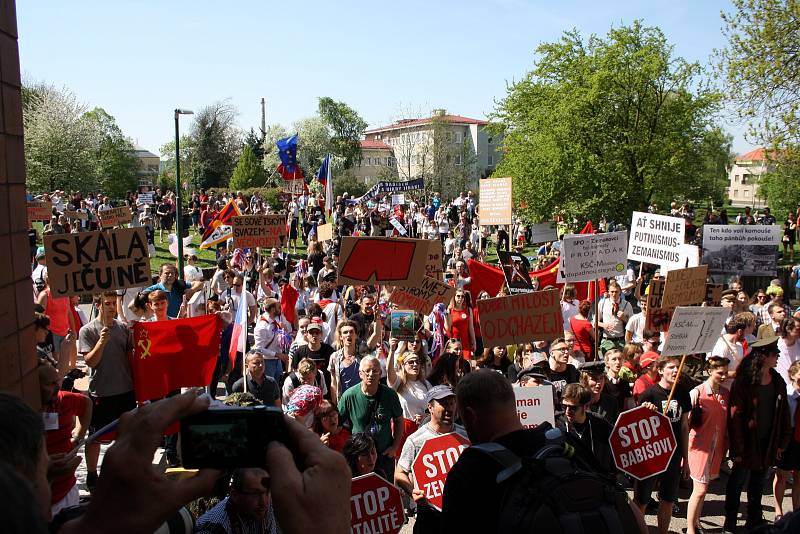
648 358
438 392
315 324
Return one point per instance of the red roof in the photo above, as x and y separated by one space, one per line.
368 144
759 154
405 123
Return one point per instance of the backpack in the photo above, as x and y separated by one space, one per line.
556 491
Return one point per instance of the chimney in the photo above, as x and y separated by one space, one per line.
438 112
263 117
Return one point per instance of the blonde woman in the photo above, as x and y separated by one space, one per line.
407 378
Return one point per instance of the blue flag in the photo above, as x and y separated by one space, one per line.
287 151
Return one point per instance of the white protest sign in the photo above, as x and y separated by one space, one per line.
145 198
741 249
694 329
589 257
398 199
397 226
544 232
656 239
690 257
534 405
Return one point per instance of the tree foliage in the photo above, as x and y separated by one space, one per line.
346 129
761 67
602 126
116 165
60 141
217 141
248 172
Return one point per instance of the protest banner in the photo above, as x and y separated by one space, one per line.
144 198
741 249
402 325
589 257
656 239
76 215
250 231
422 297
495 201
520 318
398 200
433 462
381 188
294 187
642 442
685 287
324 232
657 316
433 265
284 197
39 210
535 405
375 506
544 232
91 262
516 269
114 217
398 226
694 329
382 260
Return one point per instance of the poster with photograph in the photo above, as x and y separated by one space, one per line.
515 268
402 322
740 249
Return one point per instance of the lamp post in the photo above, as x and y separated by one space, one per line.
179 196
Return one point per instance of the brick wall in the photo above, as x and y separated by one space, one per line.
17 345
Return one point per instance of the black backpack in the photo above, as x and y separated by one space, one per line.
557 491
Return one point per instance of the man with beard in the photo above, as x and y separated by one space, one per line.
441 402
247 508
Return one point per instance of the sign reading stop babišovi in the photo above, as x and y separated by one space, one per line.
91 262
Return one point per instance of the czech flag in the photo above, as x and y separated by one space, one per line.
239 333
324 177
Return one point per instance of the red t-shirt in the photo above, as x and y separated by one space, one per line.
642 383
68 406
337 442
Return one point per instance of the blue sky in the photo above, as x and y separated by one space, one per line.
140 60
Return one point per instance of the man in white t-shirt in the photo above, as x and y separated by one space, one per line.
634 329
569 306
729 345
236 293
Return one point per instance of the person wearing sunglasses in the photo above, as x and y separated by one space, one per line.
591 430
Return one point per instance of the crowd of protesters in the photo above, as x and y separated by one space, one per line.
324 353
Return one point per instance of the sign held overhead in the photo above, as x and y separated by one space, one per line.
656 239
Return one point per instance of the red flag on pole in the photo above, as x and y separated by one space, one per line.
169 355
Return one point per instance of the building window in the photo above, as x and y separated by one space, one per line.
457 137
746 193
744 179
489 140
448 136
457 159
735 193
735 178
491 160
366 179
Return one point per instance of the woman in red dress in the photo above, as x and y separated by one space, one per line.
460 324
583 330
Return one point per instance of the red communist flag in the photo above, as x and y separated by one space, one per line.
169 355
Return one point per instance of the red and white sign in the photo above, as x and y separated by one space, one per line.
642 442
435 459
375 506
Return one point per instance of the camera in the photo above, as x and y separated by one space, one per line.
230 437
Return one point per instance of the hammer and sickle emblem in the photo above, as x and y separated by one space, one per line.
145 344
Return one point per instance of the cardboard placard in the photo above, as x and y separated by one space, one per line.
657 317
685 287
495 201
39 210
656 239
324 232
284 197
402 325
76 215
434 264
516 269
544 232
114 217
589 257
535 405
250 231
91 262
424 296
694 330
713 294
382 260
741 249
521 318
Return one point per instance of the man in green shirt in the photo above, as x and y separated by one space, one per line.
370 407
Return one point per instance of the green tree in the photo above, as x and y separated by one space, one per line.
603 126
166 178
256 143
761 67
313 143
248 172
346 129
60 141
217 142
346 182
116 165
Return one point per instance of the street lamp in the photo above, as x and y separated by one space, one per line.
179 199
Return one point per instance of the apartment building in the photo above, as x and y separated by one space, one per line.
743 178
